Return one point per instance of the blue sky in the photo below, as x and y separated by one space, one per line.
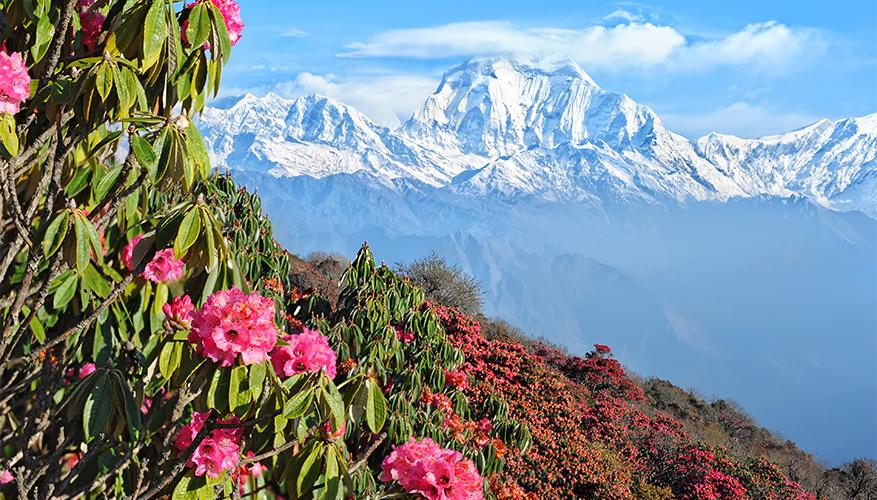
746 68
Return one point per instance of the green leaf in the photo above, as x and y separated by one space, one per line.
82 245
104 81
154 33
161 296
164 160
124 91
309 471
197 150
111 137
376 407
238 396
258 372
98 407
65 292
143 152
103 187
299 404
190 227
336 403
92 240
169 359
55 233
95 282
217 394
132 410
78 182
39 332
192 487
8 136
199 26
333 475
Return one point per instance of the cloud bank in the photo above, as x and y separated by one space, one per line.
764 46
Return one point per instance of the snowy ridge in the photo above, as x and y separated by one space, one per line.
504 128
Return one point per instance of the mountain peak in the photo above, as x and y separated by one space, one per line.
497 107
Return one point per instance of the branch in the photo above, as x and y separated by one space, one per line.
364 457
114 294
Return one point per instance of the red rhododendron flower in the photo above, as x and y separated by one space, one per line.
128 252
308 351
164 267
426 468
456 378
91 22
14 81
231 323
403 335
218 451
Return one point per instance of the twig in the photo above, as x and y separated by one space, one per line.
364 457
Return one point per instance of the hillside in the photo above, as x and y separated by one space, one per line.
596 431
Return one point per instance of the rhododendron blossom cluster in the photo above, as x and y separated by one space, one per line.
217 452
14 81
91 21
308 351
179 312
164 267
426 468
231 323
456 378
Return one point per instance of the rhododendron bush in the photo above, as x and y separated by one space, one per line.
151 344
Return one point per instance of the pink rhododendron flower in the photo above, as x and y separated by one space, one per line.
231 14
14 81
308 351
218 451
179 312
128 252
87 369
6 477
164 267
484 425
231 323
456 378
426 468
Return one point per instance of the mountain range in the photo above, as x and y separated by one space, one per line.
745 268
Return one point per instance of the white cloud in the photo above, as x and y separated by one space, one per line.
739 119
386 100
765 46
623 45
623 14
291 32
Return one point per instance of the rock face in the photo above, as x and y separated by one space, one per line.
745 268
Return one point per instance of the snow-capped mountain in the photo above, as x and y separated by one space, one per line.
746 268
499 127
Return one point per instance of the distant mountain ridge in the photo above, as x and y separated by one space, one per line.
745 268
499 127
